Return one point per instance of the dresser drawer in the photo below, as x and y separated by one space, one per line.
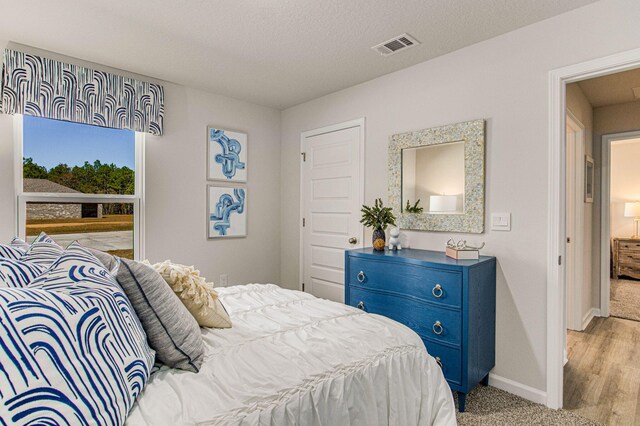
437 323
629 272
450 360
434 285
628 245
630 257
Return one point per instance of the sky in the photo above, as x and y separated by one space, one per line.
51 142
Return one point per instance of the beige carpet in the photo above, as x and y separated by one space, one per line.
487 405
625 299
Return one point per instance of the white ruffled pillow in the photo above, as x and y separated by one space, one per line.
198 296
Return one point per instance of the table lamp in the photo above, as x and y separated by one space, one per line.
633 210
444 204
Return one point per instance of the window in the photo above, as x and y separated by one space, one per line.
81 182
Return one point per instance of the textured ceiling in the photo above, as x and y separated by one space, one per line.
272 52
611 89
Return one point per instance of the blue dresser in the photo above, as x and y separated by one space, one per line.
450 303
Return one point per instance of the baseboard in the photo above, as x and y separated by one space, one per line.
593 312
524 391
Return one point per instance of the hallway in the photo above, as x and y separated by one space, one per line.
602 377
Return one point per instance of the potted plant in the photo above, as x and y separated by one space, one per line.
413 209
378 218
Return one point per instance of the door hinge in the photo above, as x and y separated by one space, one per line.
302 286
559 260
304 156
304 222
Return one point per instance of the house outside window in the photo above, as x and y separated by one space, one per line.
81 182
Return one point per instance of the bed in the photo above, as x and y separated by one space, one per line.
293 359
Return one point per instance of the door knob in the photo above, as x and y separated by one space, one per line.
353 240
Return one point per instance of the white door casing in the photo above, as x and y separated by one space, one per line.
332 193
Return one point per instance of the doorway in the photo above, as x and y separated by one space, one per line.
556 253
332 186
620 260
598 351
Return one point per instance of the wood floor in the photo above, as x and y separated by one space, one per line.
602 377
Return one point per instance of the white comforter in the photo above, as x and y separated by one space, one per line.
293 359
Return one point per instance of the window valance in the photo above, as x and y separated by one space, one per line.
34 85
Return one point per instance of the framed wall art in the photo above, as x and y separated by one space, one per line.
226 155
589 179
226 212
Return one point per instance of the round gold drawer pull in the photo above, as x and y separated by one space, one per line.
360 305
437 328
437 291
361 277
439 361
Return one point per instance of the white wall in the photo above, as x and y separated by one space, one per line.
625 185
579 106
505 81
7 193
176 187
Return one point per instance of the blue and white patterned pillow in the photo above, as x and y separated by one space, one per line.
42 253
75 352
20 244
8 252
43 238
15 273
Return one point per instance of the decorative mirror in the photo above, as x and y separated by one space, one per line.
442 170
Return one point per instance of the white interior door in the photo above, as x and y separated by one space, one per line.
575 224
332 195
570 229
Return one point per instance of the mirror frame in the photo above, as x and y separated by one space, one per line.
472 220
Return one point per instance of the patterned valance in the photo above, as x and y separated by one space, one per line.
42 87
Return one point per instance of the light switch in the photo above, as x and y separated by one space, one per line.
501 221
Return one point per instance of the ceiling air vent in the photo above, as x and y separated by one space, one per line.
396 44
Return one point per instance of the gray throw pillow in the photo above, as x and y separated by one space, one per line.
171 330
109 261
